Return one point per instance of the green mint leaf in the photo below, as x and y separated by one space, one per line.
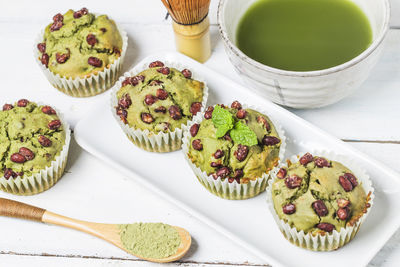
222 120
242 134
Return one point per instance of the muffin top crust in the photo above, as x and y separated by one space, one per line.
78 44
318 195
159 99
31 137
234 143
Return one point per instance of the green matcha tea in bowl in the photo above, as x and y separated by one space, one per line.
34 143
232 150
154 102
81 53
303 53
319 200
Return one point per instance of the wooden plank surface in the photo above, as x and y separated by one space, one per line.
372 114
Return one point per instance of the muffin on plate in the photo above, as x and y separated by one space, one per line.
34 143
318 202
232 150
81 53
153 105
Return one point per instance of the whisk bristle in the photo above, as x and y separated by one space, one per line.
187 12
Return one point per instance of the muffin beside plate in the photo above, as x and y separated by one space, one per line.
153 104
232 150
34 143
81 53
318 202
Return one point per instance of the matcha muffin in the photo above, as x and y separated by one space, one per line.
34 143
81 53
153 105
232 150
321 200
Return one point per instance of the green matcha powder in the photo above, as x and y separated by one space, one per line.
150 240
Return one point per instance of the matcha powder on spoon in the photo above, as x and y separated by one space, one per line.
150 240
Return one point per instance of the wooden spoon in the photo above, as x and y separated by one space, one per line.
108 232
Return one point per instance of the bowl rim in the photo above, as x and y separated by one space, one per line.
378 41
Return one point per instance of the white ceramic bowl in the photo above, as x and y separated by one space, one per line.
309 89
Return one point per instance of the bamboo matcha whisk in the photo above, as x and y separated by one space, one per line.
191 27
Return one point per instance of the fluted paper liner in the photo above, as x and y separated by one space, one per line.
46 178
150 141
234 190
91 85
326 241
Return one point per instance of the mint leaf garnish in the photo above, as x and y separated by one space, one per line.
222 120
242 134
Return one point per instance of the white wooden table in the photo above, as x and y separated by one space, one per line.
90 190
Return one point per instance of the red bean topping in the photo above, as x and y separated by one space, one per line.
103 30
241 114
123 114
164 70
342 203
197 145
156 64
289 208
7 107
146 117
281 173
41 47
161 94
306 158
208 113
160 109
321 162
17 158
351 178
27 153
91 39
155 82
223 172
95 62
236 104
343 213
44 141
320 208
58 17
48 110
62 58
22 103
133 80
262 120
150 99
327 227
270 140
195 107
194 129
227 137
187 73
345 183
125 101
293 181
80 13
8 173
215 164
174 112
241 152
54 124
218 154
45 59
56 25
238 174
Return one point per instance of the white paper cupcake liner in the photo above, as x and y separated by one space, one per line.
222 187
46 178
160 142
327 241
92 85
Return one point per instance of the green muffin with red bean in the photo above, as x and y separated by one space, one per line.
233 149
318 196
32 139
154 105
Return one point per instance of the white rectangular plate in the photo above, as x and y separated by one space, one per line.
248 222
